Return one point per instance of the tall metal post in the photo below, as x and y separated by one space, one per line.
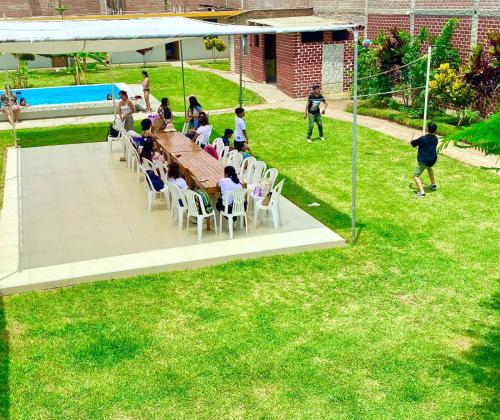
241 70
354 138
183 80
112 85
427 76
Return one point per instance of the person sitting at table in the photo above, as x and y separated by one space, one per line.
148 129
228 184
148 150
203 132
174 176
165 115
193 112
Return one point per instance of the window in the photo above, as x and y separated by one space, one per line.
245 44
256 41
340 35
311 37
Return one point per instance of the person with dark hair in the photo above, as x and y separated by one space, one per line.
228 133
426 158
228 184
23 103
313 112
125 110
148 129
148 150
165 115
240 131
146 89
193 112
109 97
203 132
174 176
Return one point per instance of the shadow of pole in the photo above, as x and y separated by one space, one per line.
4 363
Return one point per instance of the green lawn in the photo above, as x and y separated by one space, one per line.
209 64
380 110
403 325
166 81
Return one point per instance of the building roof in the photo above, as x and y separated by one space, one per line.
285 22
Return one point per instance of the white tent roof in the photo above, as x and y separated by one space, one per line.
112 35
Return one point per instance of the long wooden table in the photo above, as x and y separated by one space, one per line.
197 166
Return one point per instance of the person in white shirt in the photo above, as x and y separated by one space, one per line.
240 131
174 176
228 184
203 132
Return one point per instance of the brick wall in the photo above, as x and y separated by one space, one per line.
378 23
28 8
486 24
253 62
461 38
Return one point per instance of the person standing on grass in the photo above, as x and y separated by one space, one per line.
314 112
240 130
146 90
426 157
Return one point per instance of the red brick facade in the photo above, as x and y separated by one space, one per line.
378 23
486 24
298 65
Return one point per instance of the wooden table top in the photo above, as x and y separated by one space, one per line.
175 142
202 168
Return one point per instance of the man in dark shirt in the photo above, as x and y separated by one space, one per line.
313 112
426 157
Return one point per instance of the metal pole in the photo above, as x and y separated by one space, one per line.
354 138
183 80
241 70
112 85
427 89
8 92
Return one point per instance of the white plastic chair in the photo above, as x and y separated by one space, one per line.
148 165
192 211
244 167
163 169
272 174
224 155
218 145
273 206
235 161
238 210
151 192
185 128
178 210
256 174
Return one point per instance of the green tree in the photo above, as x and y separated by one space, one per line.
215 45
20 78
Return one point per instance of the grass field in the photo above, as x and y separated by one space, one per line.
166 81
209 64
382 111
402 325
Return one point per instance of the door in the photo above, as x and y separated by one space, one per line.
333 69
270 57
172 51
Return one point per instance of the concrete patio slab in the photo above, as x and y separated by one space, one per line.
75 213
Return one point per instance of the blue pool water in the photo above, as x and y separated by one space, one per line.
64 94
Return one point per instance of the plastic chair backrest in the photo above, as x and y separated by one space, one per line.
185 127
163 171
218 143
149 183
235 161
245 166
147 165
239 198
272 174
276 195
191 198
176 193
224 154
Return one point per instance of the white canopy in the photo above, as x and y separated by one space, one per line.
112 35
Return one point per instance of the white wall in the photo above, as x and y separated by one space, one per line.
9 61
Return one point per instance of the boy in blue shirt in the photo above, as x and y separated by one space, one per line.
426 157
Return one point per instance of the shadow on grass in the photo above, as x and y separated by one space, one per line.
4 363
479 367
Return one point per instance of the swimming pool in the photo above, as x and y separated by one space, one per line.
65 94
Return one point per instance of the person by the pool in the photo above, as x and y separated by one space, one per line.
145 89
109 97
23 102
125 110
9 105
